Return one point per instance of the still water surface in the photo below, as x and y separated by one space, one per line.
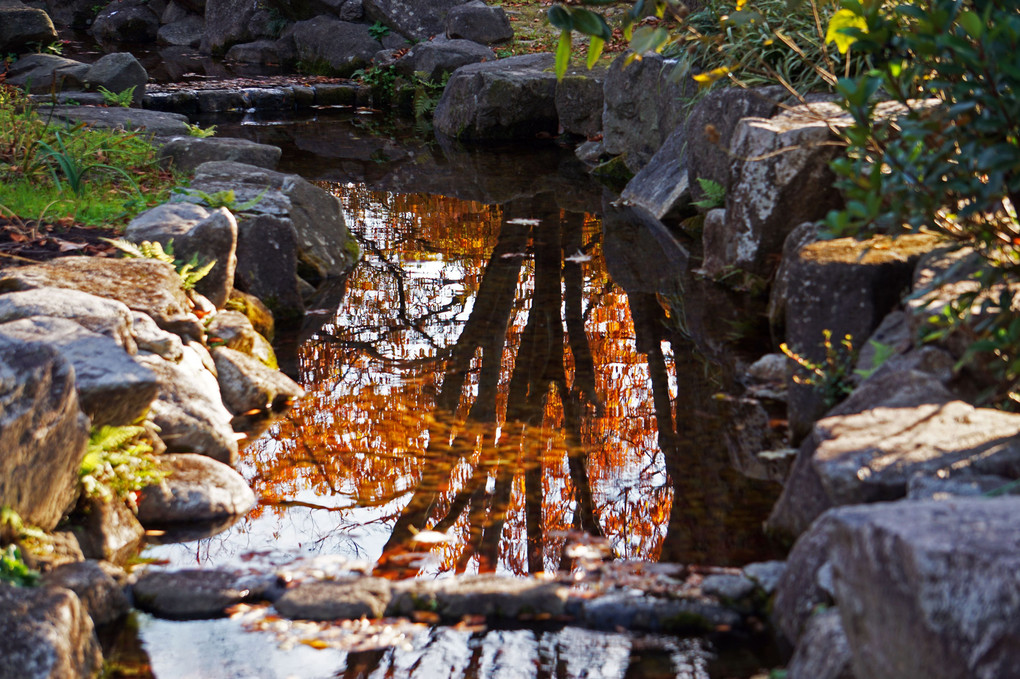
514 366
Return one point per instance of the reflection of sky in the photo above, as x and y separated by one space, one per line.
437 278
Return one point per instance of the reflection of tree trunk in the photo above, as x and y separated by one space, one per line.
488 548
362 664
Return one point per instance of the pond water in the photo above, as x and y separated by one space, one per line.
515 368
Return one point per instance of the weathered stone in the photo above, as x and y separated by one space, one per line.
118 72
233 330
804 497
76 14
46 72
342 46
151 338
247 384
802 235
642 107
186 32
800 592
823 651
512 98
46 633
145 285
662 184
440 56
187 594
175 11
197 235
187 153
710 127
267 261
413 19
61 547
731 589
189 411
677 616
21 28
227 22
477 22
108 531
964 484
846 287
781 178
765 575
769 368
261 52
495 597
126 21
347 599
220 101
579 101
112 388
260 317
929 589
100 315
100 594
748 434
198 489
325 246
42 432
156 123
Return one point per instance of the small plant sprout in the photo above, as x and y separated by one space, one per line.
218 199
122 99
201 132
117 463
378 30
832 375
715 194
191 272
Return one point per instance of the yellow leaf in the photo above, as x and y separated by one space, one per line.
741 4
315 643
841 20
708 77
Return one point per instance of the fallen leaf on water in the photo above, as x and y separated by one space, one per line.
318 644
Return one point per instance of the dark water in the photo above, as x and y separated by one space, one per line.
516 366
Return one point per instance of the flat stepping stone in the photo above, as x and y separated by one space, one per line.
188 594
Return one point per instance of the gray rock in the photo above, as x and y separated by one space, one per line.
929 589
155 123
781 178
844 286
197 235
261 52
710 127
662 184
21 28
42 432
799 592
100 315
258 315
267 261
76 14
151 338
579 101
651 614
108 531
413 19
642 108
96 587
233 330
118 72
145 285
126 21
46 633
770 368
186 32
342 46
492 596
246 384
730 589
198 489
802 235
189 411
175 11
748 434
227 22
347 599
187 153
187 594
324 244
765 575
112 388
513 98
477 22
46 72
823 651
440 56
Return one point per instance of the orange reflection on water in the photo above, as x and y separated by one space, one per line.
480 380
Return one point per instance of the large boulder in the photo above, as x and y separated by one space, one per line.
185 32
579 98
440 56
145 285
45 72
247 384
325 42
197 235
155 123
198 489
780 179
100 315
929 589
413 19
126 21
662 184
512 98
189 411
477 22
187 153
824 652
42 432
643 106
112 388
22 28
46 633
118 72
227 22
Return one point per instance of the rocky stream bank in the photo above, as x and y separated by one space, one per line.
903 552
